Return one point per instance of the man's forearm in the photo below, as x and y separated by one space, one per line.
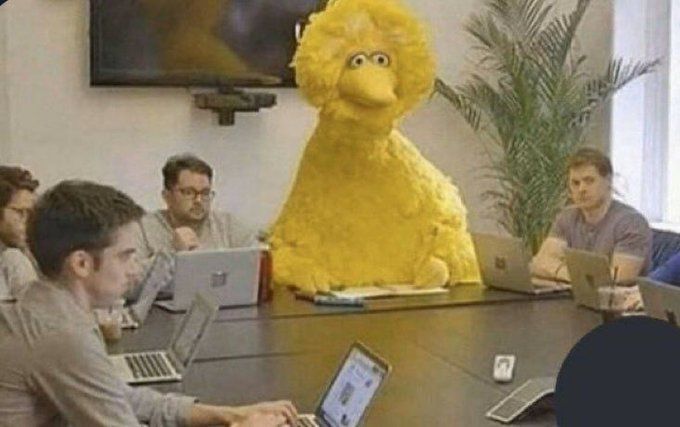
549 268
209 415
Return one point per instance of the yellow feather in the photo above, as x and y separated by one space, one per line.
366 207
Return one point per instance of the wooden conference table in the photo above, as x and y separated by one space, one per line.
441 349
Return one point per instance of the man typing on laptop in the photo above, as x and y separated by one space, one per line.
595 223
54 369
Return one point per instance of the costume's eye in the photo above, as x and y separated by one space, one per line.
381 59
357 60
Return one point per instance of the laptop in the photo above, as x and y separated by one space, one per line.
589 272
233 275
157 276
170 364
504 264
661 300
349 395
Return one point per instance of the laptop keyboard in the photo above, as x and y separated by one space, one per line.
305 422
148 365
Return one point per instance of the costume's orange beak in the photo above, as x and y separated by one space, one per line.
370 85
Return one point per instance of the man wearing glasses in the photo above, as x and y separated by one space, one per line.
17 197
188 222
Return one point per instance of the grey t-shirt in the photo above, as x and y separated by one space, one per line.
622 230
219 230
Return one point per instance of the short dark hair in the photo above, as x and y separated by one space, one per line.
15 178
76 215
176 164
592 157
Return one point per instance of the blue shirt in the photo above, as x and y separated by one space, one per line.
669 272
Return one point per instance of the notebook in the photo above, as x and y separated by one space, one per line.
383 291
661 300
169 364
232 275
350 393
157 276
589 272
504 264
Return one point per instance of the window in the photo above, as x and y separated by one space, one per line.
645 127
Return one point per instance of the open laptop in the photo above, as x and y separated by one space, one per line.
233 275
157 276
170 364
588 272
661 300
349 395
504 264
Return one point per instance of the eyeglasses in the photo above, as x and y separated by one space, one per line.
193 194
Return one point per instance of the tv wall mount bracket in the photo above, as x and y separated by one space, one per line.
229 100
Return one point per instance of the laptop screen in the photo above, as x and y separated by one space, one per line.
352 390
192 329
157 276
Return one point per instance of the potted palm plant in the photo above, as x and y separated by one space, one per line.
533 102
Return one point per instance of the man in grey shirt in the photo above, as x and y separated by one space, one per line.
595 223
17 197
188 223
54 369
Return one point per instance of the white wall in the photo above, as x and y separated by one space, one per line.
4 83
60 127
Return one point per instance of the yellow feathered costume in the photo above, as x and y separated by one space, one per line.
366 207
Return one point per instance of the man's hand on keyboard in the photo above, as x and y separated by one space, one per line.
263 420
280 413
265 412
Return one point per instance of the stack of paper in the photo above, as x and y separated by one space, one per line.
381 291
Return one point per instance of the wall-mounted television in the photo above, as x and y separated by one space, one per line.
195 42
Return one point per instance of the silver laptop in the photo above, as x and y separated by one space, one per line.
157 276
232 275
661 300
588 272
349 395
504 264
170 364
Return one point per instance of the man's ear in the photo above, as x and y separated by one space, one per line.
79 264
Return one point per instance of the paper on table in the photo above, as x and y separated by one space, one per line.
387 291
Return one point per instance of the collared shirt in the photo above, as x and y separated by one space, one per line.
621 230
218 231
17 271
54 369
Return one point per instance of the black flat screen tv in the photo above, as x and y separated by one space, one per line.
195 42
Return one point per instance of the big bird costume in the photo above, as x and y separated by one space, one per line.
366 207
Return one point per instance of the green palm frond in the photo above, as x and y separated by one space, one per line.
533 104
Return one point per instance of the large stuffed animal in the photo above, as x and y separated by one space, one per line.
366 207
